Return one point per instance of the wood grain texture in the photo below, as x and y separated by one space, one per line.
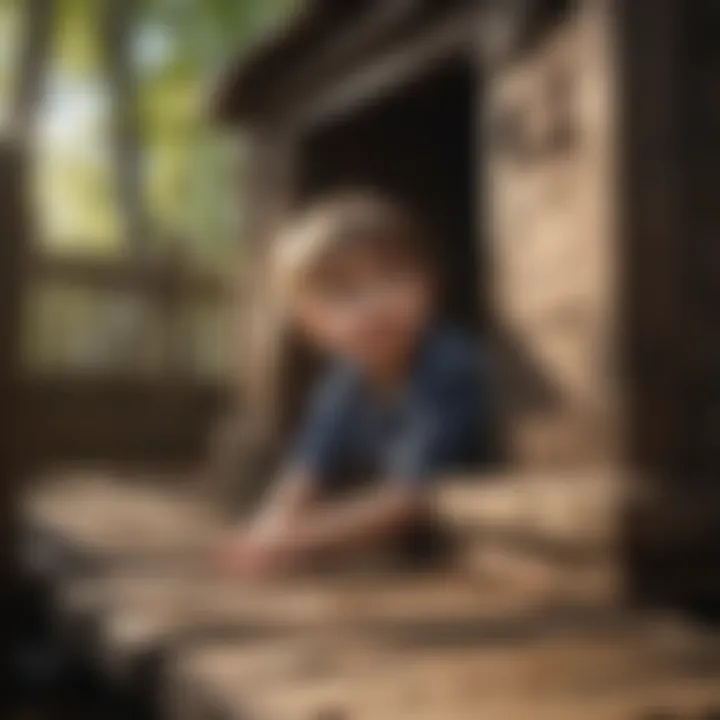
550 138
502 640
617 676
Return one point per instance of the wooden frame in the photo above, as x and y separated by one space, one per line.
14 234
604 331
373 79
398 63
146 279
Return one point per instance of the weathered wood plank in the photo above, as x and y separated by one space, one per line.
608 677
365 646
77 419
448 38
137 617
100 518
579 508
14 241
104 517
151 280
130 576
549 131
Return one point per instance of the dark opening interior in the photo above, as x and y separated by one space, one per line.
417 146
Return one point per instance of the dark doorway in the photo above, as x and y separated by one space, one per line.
417 146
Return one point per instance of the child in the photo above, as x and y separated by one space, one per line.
398 408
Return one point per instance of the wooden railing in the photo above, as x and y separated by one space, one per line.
115 317
99 358
157 279
122 362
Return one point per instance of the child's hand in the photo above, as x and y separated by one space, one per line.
253 556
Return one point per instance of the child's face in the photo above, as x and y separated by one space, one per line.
368 306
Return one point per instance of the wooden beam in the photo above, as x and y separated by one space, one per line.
13 241
130 421
123 276
368 31
239 91
452 38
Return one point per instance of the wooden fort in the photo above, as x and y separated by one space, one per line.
564 152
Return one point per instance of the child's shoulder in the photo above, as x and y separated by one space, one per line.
451 351
337 386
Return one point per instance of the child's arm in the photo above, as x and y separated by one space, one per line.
444 425
359 522
289 500
256 549
265 546
292 529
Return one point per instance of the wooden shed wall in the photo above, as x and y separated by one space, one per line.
14 232
696 131
581 156
550 137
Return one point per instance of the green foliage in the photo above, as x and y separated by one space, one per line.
191 171
9 32
191 175
77 44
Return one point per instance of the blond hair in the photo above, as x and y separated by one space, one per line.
350 219
307 239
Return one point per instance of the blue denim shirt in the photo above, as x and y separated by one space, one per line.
435 426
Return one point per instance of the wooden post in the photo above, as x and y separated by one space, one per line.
13 243
244 446
549 136
672 166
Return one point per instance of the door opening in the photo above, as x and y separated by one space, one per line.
418 147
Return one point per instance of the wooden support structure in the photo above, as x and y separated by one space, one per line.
569 171
495 157
13 246
151 409
549 144
671 159
125 563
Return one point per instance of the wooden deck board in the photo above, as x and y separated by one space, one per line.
608 676
134 616
577 511
501 634
104 519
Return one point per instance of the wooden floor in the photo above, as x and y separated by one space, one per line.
526 624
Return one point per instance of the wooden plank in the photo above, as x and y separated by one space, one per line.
368 30
240 90
145 279
654 231
578 509
447 39
549 135
607 677
672 165
137 616
139 613
132 627
133 577
105 518
129 569
14 239
74 419
149 608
